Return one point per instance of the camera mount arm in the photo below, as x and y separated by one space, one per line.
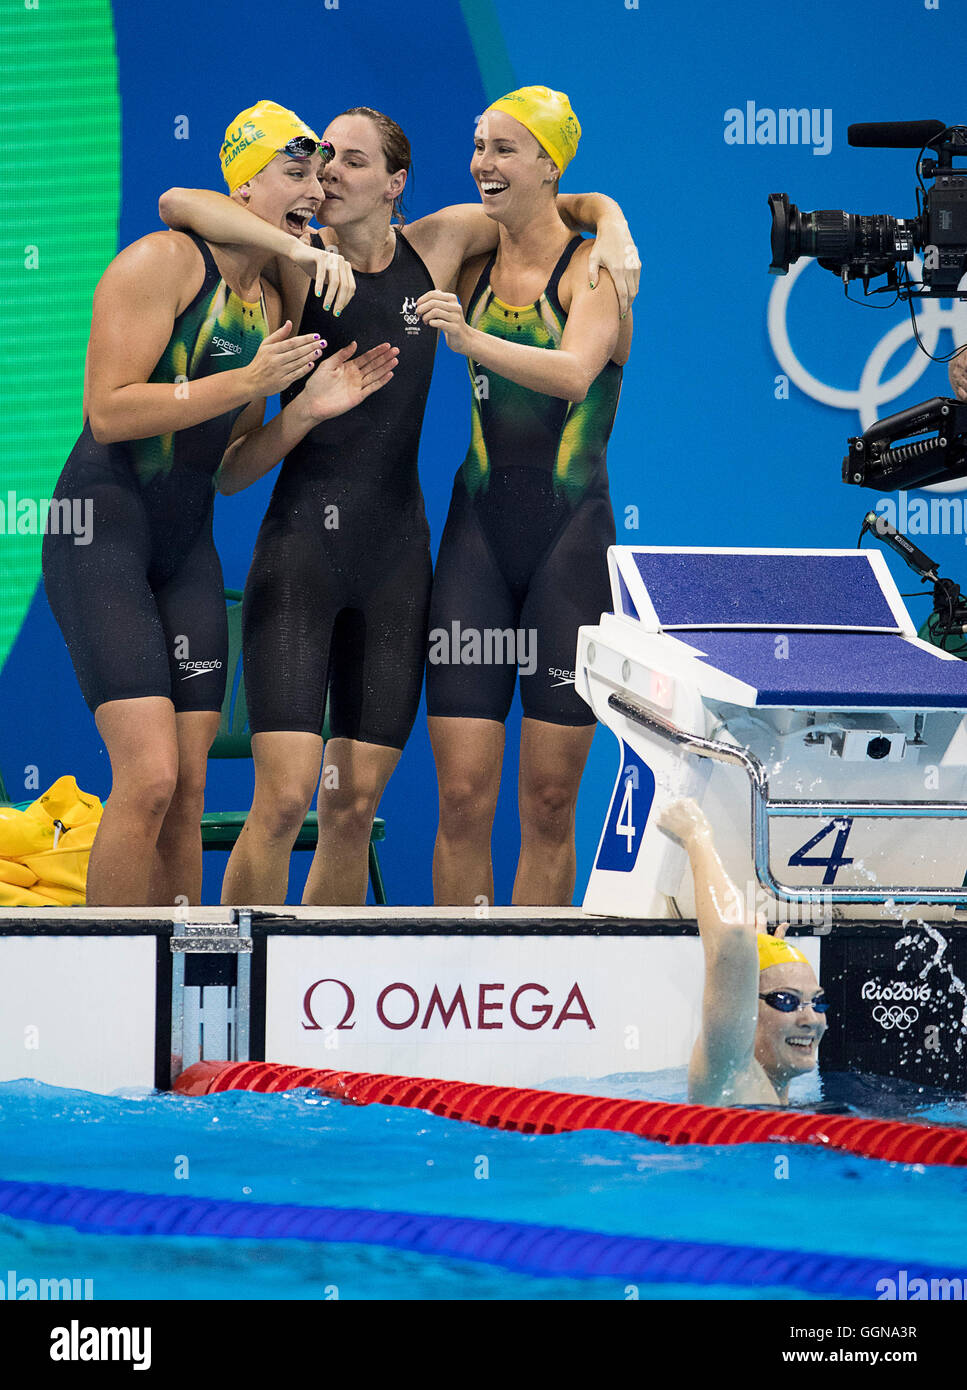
938 455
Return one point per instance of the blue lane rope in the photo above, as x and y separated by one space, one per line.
547 1251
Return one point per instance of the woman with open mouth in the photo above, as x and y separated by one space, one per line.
186 343
523 560
337 597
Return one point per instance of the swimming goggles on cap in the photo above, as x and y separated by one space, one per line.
304 147
788 1002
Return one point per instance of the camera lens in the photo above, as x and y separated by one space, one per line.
868 245
878 748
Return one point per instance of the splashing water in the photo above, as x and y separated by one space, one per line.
915 940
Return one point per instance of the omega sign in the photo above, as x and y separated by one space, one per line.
399 1006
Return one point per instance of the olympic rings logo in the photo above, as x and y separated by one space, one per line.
873 391
894 1016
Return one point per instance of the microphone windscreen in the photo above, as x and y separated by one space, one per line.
894 135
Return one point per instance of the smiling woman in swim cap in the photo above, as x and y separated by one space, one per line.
185 346
530 522
763 1012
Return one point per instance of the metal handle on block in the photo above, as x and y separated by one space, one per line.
763 809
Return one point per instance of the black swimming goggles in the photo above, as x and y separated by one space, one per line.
787 1001
304 147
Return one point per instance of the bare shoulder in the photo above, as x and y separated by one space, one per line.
158 252
709 1084
161 268
576 271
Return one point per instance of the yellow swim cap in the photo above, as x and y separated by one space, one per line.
548 117
776 950
255 137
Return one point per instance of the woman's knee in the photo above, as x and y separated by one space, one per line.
348 809
280 811
467 802
147 787
547 808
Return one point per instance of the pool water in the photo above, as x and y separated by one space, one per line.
306 1149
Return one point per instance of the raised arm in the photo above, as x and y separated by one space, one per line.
223 222
445 239
135 305
613 246
730 1005
589 341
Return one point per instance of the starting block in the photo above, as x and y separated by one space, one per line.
788 693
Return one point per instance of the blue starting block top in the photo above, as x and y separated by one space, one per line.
836 669
845 634
743 589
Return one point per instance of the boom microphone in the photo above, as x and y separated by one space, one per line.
895 135
920 564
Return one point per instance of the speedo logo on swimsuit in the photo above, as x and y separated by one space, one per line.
198 668
489 646
226 346
560 677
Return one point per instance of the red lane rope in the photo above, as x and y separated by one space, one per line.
554 1112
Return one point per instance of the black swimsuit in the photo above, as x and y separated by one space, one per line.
337 596
142 605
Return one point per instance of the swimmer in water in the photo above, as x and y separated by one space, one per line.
763 1012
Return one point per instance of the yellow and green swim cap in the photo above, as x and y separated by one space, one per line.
776 950
255 137
548 116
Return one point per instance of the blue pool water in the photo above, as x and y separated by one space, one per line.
301 1148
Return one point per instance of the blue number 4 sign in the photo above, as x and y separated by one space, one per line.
836 859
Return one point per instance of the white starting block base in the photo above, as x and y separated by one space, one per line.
809 662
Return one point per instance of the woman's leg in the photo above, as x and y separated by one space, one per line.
142 743
286 772
178 863
468 754
552 759
354 776
378 653
570 587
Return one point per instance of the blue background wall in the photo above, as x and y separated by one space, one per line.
703 447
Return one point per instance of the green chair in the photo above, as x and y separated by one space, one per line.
220 829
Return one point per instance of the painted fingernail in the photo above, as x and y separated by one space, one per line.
316 336
591 283
323 343
338 312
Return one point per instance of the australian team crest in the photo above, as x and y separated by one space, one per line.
410 317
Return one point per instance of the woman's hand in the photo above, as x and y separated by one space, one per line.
332 274
281 360
341 381
440 310
616 252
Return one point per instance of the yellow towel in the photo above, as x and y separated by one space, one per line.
43 863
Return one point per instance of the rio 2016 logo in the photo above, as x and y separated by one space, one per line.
873 390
